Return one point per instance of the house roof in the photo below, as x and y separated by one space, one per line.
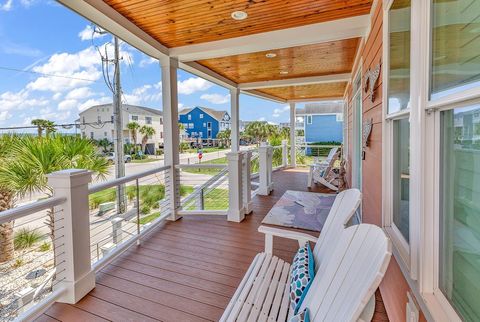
130 108
321 108
218 115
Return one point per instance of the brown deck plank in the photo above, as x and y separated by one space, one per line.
189 269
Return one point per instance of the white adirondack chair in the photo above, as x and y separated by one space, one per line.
263 293
324 174
325 162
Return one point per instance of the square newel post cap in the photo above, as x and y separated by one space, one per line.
69 178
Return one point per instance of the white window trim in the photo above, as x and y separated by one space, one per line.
355 131
345 127
309 119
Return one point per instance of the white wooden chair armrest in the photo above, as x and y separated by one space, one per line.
269 232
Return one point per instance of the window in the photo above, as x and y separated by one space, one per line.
455 45
209 134
459 256
204 124
111 119
105 134
189 117
397 216
161 135
161 120
99 119
201 116
83 119
309 119
190 125
399 56
91 135
339 117
134 117
345 130
148 120
209 125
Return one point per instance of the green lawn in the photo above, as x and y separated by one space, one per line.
146 160
205 150
149 218
208 171
217 199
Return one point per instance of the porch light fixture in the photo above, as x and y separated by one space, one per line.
239 15
283 72
271 55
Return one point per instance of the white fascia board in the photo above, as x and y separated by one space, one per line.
325 99
334 78
298 36
208 74
109 19
261 95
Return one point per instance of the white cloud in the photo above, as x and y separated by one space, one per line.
216 98
261 119
144 94
4 115
6 6
278 111
192 85
20 100
57 96
67 104
147 60
94 101
79 93
89 33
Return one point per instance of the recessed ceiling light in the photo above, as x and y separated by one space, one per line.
283 72
271 55
239 15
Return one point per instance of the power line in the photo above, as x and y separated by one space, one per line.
46 75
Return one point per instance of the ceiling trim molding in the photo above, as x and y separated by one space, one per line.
333 78
109 19
207 73
346 28
261 95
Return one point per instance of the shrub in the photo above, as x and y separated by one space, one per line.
145 209
26 238
45 247
18 262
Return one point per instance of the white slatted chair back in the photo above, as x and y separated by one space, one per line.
343 209
332 153
347 280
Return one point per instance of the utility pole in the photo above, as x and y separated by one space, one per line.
118 129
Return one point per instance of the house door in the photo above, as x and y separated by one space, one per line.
357 134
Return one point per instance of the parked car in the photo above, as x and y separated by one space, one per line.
111 157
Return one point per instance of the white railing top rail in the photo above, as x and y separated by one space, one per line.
201 166
116 182
212 182
31 208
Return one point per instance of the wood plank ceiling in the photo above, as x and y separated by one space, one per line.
177 23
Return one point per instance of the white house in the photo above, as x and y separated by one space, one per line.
102 128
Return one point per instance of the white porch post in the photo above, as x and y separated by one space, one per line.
247 179
72 223
284 153
236 211
265 153
235 111
293 121
172 134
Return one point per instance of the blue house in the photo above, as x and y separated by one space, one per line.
204 123
321 122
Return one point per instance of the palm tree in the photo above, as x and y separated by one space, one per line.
39 123
225 136
49 127
133 127
147 131
25 167
104 144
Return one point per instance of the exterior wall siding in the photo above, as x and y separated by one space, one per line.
324 128
394 286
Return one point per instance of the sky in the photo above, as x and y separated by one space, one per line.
50 68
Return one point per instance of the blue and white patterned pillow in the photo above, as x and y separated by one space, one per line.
301 277
303 316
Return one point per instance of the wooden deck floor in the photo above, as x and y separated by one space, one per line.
186 271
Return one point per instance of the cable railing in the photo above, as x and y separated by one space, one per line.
32 243
204 188
121 209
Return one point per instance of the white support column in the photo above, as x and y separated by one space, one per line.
72 231
284 153
247 179
235 115
265 153
236 211
172 134
293 121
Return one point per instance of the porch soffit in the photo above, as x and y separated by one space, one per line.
176 23
307 92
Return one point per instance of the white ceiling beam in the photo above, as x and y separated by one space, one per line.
323 99
261 95
208 74
333 78
298 36
109 19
